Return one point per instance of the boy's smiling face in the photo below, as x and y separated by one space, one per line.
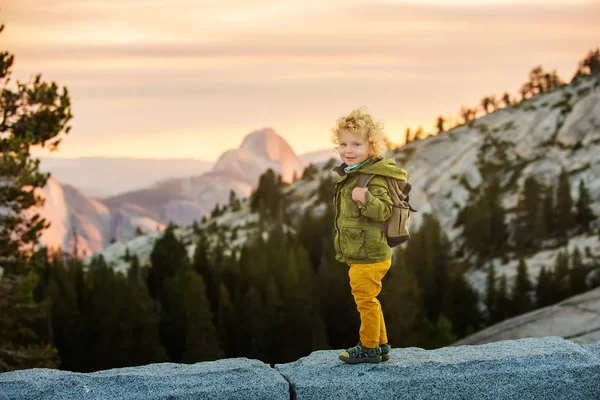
353 148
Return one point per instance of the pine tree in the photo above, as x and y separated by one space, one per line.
146 347
429 248
300 308
564 204
560 283
252 317
234 202
337 306
227 324
201 339
205 268
403 309
584 213
521 291
311 231
65 318
101 317
172 325
465 316
550 220
439 124
577 274
490 294
269 194
21 346
498 229
484 229
544 289
540 231
442 333
275 327
527 215
33 114
167 258
502 308
590 65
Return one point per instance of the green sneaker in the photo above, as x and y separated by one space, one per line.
359 354
385 351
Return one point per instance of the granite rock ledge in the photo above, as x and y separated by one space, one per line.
545 368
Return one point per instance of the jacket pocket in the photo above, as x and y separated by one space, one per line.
349 208
353 243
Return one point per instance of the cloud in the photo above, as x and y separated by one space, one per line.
138 68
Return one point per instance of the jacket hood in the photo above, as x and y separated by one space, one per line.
385 167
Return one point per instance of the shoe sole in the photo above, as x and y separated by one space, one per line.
385 357
361 360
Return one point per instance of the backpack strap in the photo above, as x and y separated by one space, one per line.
364 179
396 193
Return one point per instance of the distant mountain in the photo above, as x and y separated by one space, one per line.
90 225
259 151
108 176
183 200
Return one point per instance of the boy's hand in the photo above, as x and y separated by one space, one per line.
359 194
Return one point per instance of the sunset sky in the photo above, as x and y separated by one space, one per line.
188 78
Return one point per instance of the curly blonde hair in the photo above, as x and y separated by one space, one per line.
360 121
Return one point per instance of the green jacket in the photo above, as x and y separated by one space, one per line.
358 239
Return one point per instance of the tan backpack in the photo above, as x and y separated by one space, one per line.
395 228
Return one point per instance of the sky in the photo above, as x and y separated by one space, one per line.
190 79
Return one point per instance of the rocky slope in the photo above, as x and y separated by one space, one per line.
576 318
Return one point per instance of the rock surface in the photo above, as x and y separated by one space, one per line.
548 368
236 378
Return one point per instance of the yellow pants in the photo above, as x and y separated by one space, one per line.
365 281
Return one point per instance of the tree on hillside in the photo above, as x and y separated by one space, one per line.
543 292
429 248
439 124
560 283
31 114
34 113
468 115
549 211
502 307
402 303
564 204
407 136
483 220
234 201
577 274
590 65
268 198
506 99
521 290
584 214
309 172
540 81
490 293
146 347
526 220
489 103
420 133
167 258
201 340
